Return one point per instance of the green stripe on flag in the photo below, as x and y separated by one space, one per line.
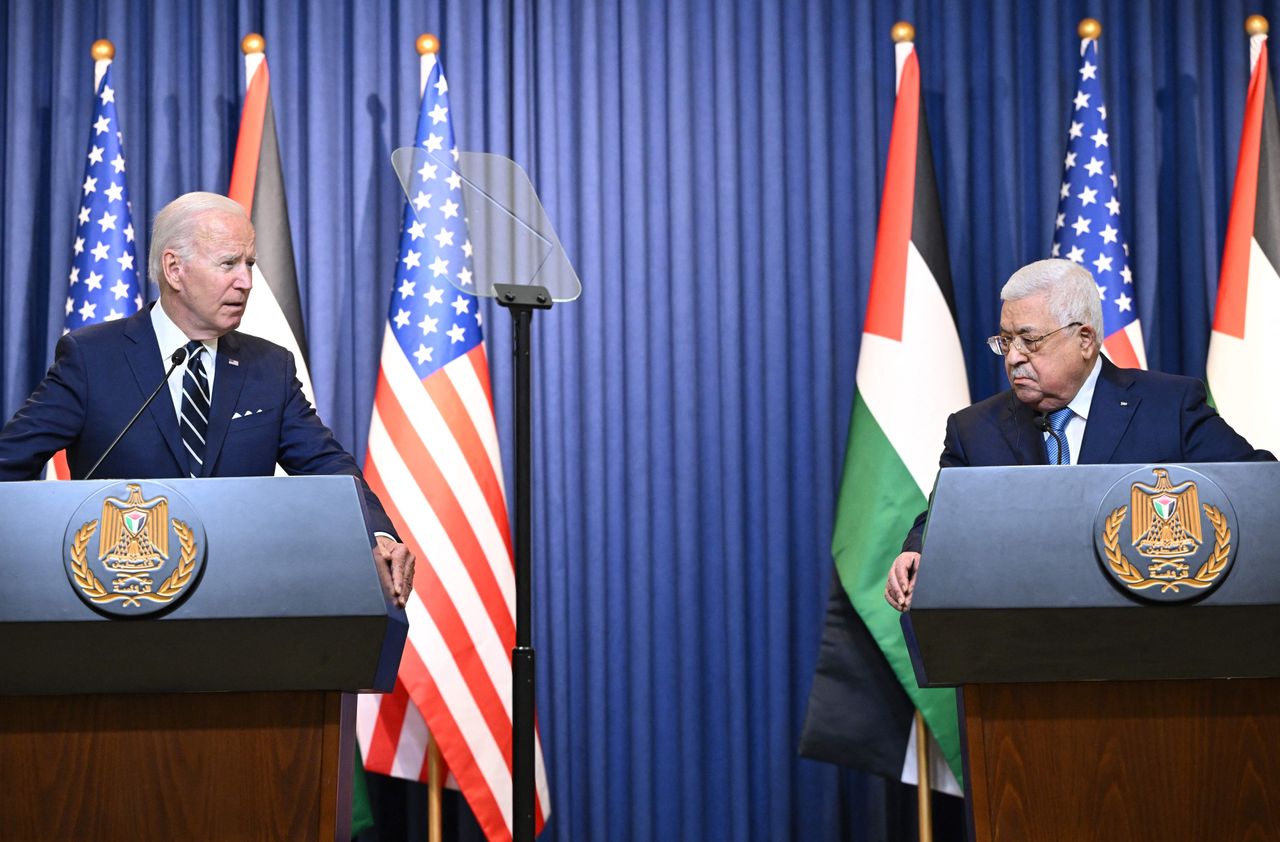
361 812
879 502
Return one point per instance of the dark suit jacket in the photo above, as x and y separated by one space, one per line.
102 374
1136 417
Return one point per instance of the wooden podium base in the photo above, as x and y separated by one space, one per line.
1150 760
176 766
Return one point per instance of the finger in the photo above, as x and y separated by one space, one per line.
397 575
900 577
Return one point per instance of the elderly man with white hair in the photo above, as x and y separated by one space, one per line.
237 409
1067 404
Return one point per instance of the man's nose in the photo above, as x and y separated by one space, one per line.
1015 356
244 278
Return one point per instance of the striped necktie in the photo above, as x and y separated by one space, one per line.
1058 423
194 421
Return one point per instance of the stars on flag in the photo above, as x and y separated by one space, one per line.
1087 227
433 321
103 282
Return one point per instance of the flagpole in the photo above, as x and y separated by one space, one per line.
428 45
924 790
435 789
904 35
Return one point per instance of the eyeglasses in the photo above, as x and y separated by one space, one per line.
1001 344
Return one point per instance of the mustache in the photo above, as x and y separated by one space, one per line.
1022 370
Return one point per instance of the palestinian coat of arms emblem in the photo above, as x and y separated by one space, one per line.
1177 530
144 559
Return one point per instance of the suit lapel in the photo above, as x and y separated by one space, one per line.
143 354
1023 438
1110 412
228 380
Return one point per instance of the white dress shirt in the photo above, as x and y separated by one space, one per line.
1080 409
171 338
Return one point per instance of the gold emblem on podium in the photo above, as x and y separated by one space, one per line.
133 559
1167 529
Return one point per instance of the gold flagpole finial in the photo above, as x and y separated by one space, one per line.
1256 25
253 43
1089 28
902 32
428 43
102 50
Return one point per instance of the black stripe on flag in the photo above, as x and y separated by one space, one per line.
927 233
271 221
859 715
1266 218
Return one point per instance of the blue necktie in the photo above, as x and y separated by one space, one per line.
194 421
1058 423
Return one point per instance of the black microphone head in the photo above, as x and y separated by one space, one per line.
1041 421
178 356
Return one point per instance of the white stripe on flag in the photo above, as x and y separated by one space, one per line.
484 750
442 556
411 748
432 429
1239 368
930 359
472 392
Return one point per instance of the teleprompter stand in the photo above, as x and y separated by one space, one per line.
516 259
522 301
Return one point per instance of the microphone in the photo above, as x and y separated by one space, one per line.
1042 424
174 361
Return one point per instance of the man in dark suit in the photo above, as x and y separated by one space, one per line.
237 408
1068 404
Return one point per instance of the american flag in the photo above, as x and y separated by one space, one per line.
433 460
104 275
103 284
1087 229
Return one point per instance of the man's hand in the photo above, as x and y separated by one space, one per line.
897 591
398 560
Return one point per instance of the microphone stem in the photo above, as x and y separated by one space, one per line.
175 361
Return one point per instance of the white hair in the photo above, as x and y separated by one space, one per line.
1072 295
176 225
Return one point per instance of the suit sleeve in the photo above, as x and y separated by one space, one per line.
50 420
307 446
1207 437
953 456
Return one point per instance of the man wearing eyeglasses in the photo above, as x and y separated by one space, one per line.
1069 405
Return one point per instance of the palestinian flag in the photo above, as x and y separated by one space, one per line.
860 707
1245 345
257 183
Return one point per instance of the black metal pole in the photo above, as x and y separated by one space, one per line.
522 301
522 655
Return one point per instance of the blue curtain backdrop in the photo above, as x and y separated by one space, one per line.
714 170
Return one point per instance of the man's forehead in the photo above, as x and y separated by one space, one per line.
1024 314
215 224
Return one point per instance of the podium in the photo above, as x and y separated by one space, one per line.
229 714
1087 711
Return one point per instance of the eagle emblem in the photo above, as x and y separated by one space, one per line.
131 571
135 539
1179 527
1165 525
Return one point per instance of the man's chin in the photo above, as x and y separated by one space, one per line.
1029 395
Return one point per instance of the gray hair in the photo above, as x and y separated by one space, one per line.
1072 294
176 225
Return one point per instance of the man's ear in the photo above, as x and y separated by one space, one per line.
1088 337
171 268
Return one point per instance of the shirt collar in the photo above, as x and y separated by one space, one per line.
170 337
1080 403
